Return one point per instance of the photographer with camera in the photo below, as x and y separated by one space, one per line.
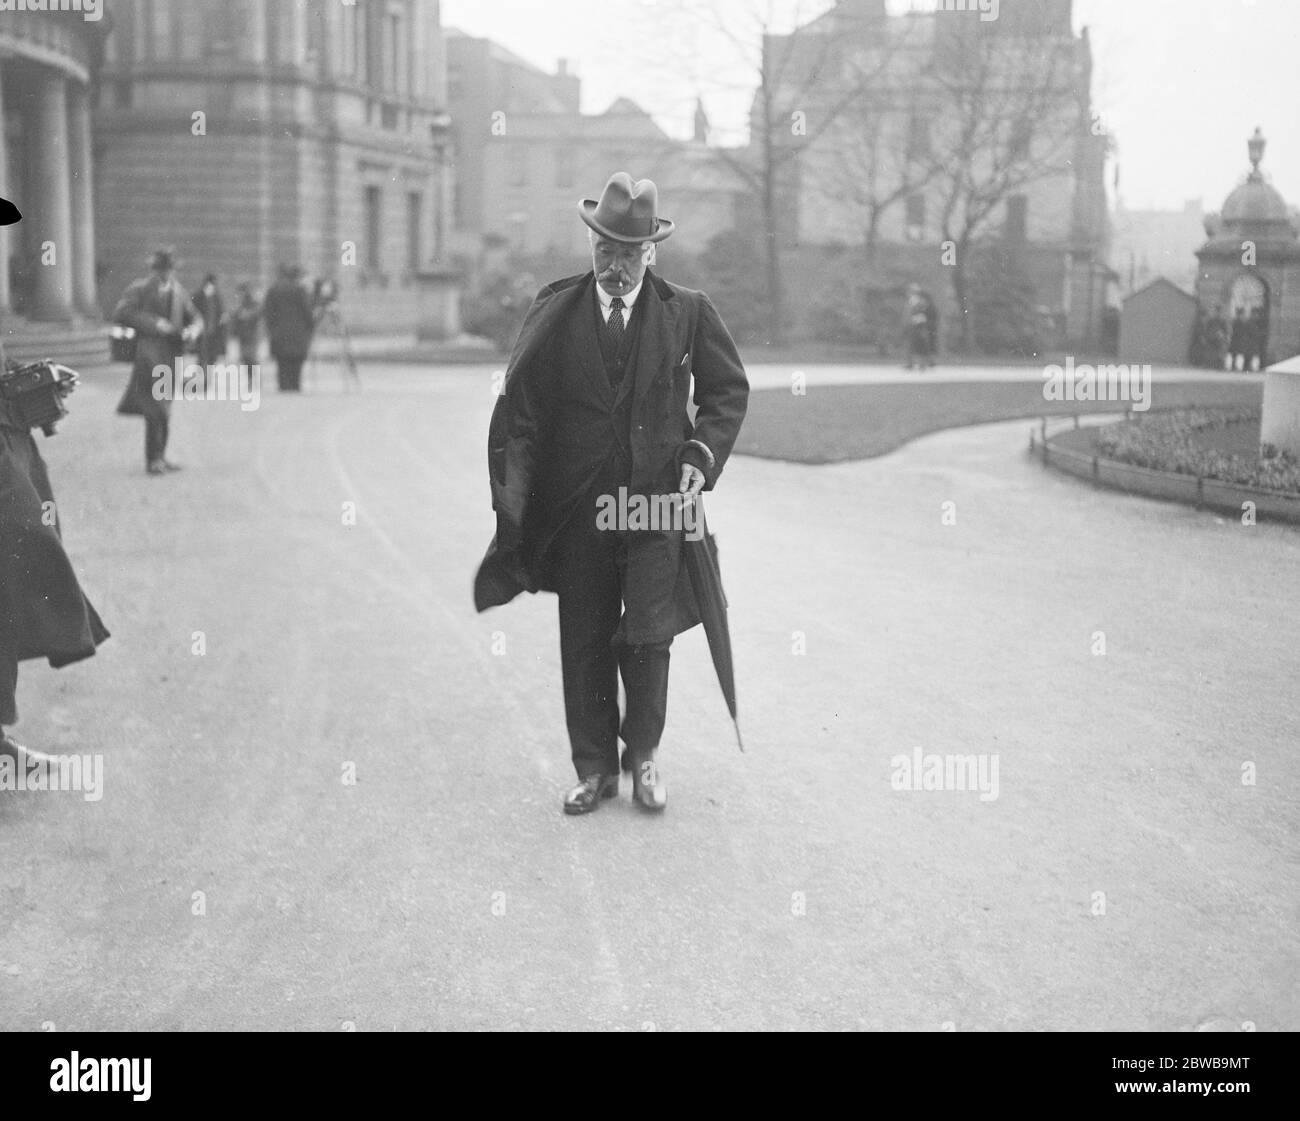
164 319
43 613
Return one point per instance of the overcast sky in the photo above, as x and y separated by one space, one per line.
1179 83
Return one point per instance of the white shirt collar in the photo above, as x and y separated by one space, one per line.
628 300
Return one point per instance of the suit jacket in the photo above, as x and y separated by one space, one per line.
545 445
287 311
141 306
212 344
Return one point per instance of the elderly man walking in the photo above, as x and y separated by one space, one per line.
593 416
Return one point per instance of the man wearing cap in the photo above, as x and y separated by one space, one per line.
164 318
595 403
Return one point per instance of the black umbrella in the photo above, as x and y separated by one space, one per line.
711 603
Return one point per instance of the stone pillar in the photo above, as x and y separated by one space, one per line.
439 292
4 193
83 205
1280 423
51 203
252 45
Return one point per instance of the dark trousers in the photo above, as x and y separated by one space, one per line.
591 570
8 680
288 372
156 429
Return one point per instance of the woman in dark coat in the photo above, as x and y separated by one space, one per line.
212 342
43 613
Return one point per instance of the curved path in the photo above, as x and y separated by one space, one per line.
790 887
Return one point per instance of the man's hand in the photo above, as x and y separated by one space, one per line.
692 481
164 326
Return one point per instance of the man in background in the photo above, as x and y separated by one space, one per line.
290 321
164 318
43 613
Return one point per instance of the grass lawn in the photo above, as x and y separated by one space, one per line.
833 424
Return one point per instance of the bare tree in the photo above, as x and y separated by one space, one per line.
807 65
881 153
1013 111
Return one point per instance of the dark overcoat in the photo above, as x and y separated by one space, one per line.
141 306
287 311
43 613
212 343
545 445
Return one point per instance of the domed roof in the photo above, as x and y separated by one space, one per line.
1256 205
1256 201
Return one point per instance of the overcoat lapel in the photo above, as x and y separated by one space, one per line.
588 345
658 330
542 319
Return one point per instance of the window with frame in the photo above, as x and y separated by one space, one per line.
518 166
414 241
564 167
374 227
1017 227
914 219
918 138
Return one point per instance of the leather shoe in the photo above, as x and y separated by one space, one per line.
648 789
587 795
168 465
21 753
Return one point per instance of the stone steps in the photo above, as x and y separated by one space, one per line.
82 345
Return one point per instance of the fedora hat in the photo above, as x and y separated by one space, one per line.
626 211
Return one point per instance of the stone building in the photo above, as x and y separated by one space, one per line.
247 133
525 153
1146 244
47 261
1251 259
878 118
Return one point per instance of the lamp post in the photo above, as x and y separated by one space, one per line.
1255 146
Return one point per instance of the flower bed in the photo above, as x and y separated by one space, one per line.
1177 441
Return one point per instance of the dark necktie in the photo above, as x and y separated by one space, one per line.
614 325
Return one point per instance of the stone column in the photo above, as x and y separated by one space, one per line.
83 205
252 45
51 202
4 193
